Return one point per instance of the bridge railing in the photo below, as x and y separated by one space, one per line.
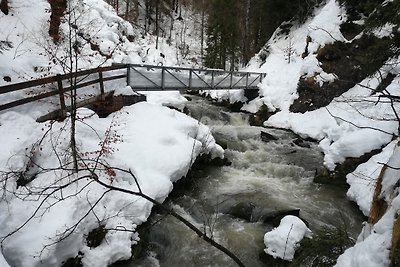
139 77
160 78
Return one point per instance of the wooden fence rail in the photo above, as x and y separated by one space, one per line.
58 79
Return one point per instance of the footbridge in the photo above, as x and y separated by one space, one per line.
95 84
160 78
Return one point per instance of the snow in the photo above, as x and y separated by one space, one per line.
138 143
373 245
279 88
282 242
362 181
3 262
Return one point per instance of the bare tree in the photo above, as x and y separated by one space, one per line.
92 168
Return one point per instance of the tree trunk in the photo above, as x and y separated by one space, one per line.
58 8
157 22
202 32
4 6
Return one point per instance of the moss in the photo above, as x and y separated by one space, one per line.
338 176
382 14
324 248
350 30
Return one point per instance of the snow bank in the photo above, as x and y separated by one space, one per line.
374 243
346 127
3 262
282 241
363 180
156 143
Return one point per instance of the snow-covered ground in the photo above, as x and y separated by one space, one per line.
128 140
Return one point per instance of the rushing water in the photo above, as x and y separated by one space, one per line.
268 176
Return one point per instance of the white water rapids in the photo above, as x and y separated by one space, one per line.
268 176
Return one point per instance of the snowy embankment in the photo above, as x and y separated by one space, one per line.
353 124
157 144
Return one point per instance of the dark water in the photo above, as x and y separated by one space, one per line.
268 176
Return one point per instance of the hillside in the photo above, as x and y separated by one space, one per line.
332 75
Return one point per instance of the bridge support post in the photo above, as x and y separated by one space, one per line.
190 78
162 78
212 79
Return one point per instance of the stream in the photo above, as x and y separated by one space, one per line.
263 177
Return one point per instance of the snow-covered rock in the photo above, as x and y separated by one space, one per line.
283 241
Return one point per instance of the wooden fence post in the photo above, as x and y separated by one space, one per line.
101 82
128 75
61 95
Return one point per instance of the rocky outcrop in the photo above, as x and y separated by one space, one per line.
350 62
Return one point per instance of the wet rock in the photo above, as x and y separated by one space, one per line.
276 216
242 210
250 212
96 236
301 143
268 260
350 62
266 137
113 103
260 116
251 94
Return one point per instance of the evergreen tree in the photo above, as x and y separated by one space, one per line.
222 34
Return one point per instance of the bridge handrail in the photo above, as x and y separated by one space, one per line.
58 79
189 69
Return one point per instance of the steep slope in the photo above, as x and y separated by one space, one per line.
336 79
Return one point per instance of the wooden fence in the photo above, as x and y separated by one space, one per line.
58 79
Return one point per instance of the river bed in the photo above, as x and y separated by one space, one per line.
263 177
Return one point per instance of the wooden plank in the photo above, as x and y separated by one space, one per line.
25 85
28 100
